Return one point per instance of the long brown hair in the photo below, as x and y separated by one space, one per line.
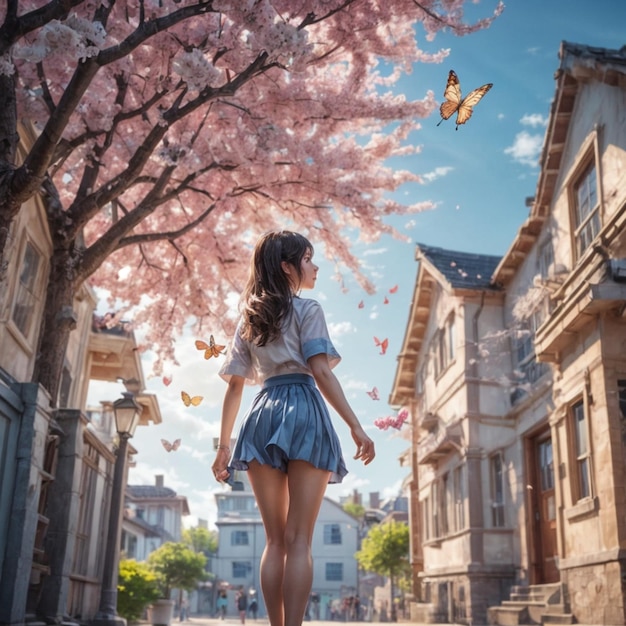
267 297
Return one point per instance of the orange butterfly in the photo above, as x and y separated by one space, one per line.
455 104
373 394
170 447
383 345
190 400
212 349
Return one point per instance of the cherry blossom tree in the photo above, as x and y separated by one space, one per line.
170 133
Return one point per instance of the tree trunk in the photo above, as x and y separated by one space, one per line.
9 140
58 320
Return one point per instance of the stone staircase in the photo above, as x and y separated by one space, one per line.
537 604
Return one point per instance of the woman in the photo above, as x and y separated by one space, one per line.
287 442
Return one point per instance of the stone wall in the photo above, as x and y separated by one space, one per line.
597 592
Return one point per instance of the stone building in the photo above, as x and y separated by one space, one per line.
56 458
514 370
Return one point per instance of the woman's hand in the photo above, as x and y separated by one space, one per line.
364 445
220 465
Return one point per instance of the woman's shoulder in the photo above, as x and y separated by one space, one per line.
305 304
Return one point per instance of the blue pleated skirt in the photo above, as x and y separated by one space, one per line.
288 421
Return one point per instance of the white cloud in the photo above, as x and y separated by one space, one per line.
372 251
438 172
534 120
337 329
526 148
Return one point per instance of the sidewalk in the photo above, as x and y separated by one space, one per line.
205 620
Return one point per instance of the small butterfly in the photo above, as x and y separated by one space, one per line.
361 304
383 345
455 104
170 447
167 380
190 400
393 289
373 394
210 349
386 300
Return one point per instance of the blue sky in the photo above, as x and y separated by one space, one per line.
479 176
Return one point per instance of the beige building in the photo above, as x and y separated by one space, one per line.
56 458
514 369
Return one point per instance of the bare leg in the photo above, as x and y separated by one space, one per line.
270 490
307 486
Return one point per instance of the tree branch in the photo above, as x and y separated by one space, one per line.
169 236
14 27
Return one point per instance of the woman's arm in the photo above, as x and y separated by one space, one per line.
332 391
230 408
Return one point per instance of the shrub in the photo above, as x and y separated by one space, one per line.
137 587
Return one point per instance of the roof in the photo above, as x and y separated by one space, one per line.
462 270
150 491
579 64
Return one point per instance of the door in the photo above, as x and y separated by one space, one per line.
545 569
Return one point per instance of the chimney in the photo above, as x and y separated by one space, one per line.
159 480
374 500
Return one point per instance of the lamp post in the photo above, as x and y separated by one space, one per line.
127 413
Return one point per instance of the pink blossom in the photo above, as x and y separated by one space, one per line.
194 68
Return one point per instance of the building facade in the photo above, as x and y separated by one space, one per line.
56 464
514 369
153 515
242 541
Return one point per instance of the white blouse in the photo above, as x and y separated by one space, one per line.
304 335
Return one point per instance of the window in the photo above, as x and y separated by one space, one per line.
129 545
582 485
426 518
527 369
587 209
497 490
434 499
546 258
443 504
459 499
26 299
239 538
85 521
436 354
444 346
451 339
332 534
334 571
241 569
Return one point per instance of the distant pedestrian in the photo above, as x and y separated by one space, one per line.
222 604
242 605
253 608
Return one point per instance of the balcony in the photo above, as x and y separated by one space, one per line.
439 444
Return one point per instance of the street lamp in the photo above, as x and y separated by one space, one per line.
127 413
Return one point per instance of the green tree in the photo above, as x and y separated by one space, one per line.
200 539
177 567
385 551
356 510
137 587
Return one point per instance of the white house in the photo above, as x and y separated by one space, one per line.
242 541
